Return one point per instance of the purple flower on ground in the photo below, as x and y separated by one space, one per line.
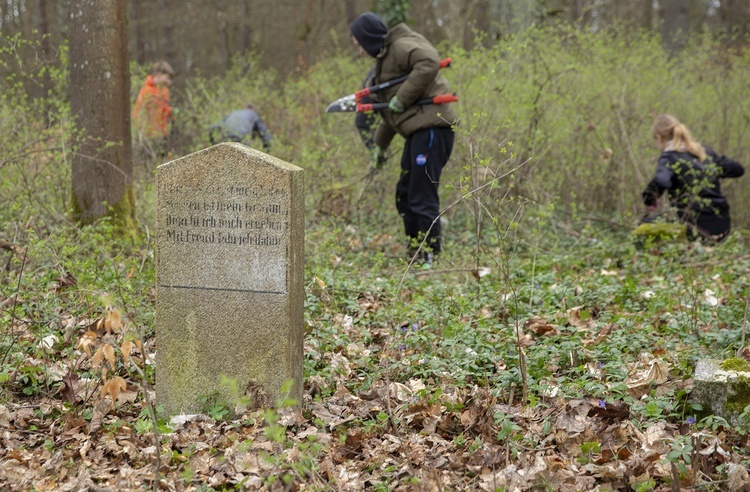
415 326
401 347
403 329
690 420
602 404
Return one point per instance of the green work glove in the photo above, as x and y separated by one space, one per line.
395 105
378 157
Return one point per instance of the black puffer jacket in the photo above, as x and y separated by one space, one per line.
693 186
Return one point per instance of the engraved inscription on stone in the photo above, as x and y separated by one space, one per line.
230 276
238 231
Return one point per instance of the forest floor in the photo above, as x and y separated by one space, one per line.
567 366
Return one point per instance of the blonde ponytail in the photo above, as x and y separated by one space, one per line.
682 137
669 128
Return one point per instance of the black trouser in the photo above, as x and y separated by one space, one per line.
425 154
708 227
711 227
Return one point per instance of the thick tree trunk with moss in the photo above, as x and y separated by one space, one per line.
100 102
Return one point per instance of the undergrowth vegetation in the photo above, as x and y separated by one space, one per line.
549 348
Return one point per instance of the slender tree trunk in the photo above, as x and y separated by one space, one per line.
28 21
224 45
12 18
139 40
675 28
735 15
43 27
100 103
167 30
245 30
351 10
514 15
647 14
304 35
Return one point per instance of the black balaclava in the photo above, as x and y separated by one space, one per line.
369 31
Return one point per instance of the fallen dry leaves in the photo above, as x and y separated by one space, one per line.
391 434
90 433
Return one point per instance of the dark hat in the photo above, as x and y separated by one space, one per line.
369 30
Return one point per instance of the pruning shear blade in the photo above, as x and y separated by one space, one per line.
345 104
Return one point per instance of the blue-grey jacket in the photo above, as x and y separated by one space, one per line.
241 126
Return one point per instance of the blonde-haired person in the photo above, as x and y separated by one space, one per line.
690 174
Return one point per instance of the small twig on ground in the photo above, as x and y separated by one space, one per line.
431 271
744 327
150 405
13 310
675 479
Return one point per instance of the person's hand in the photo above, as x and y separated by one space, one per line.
378 157
395 105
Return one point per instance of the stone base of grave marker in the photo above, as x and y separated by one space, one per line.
721 392
229 302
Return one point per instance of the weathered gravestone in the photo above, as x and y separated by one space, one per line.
229 300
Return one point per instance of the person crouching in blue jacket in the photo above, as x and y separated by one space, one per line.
241 126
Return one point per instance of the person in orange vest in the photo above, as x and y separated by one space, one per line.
152 114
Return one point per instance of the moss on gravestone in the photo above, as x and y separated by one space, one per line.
735 364
661 231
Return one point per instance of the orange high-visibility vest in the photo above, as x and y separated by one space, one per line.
152 112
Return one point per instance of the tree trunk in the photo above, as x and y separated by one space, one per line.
512 16
168 46
100 103
245 30
43 27
139 53
675 29
735 15
351 10
647 14
304 35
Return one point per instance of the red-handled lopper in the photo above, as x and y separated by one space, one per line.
353 102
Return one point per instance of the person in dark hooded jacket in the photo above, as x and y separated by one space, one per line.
690 174
428 129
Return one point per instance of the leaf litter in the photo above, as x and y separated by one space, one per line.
87 431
